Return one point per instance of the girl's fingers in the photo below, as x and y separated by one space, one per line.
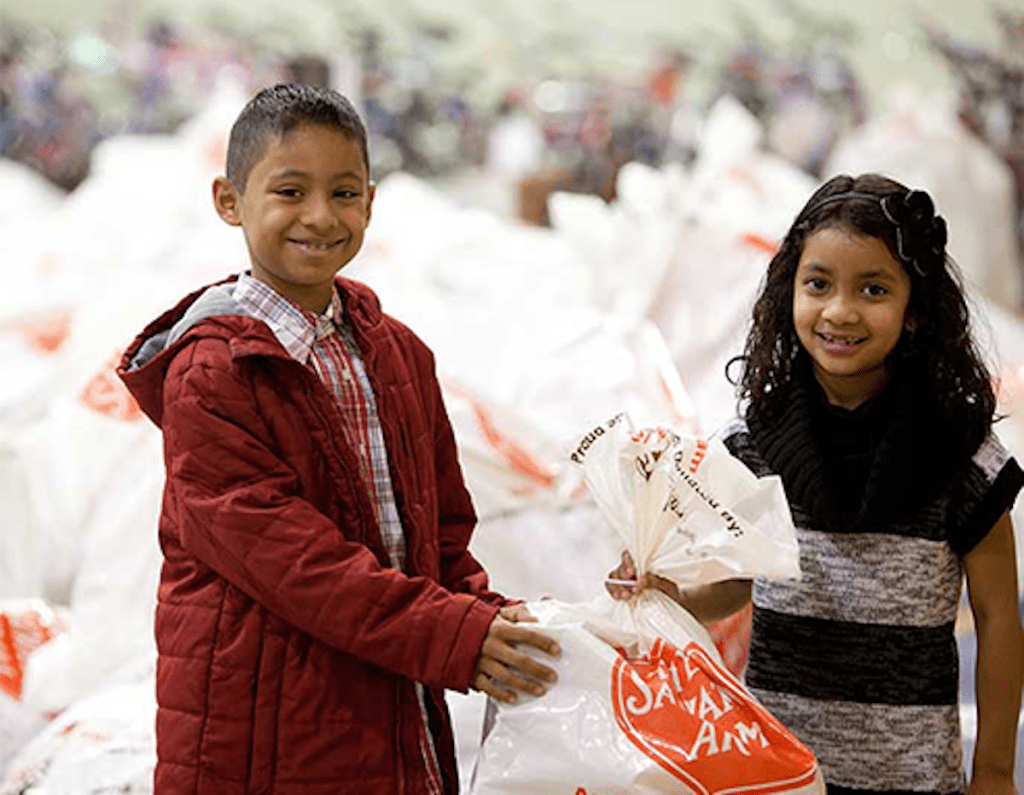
623 590
621 583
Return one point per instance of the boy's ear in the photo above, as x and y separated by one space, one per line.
371 191
227 200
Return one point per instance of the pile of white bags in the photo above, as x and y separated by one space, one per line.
103 742
537 332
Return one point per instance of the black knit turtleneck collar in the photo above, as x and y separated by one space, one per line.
906 460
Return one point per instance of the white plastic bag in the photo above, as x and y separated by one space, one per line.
643 702
685 508
102 743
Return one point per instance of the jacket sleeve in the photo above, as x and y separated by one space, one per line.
240 513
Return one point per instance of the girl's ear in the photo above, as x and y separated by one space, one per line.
226 200
910 324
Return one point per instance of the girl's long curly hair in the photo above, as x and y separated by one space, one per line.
936 345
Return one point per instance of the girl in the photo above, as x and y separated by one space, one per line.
862 389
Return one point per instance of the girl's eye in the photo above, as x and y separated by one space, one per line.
816 284
875 290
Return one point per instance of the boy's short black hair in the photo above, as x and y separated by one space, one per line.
279 109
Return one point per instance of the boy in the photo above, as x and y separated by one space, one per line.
317 594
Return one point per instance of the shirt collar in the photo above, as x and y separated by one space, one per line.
294 327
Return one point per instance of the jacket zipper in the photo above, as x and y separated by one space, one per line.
311 386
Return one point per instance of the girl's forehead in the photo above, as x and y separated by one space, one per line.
840 248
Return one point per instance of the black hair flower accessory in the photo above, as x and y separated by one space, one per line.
920 234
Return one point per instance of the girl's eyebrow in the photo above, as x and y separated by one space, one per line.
877 273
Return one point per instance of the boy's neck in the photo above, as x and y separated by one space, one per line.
313 298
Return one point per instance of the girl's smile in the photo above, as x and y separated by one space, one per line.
849 304
840 345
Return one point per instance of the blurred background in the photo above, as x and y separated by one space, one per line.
576 203
602 81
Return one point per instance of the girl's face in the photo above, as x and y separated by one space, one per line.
849 306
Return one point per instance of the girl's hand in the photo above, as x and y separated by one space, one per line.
623 584
502 672
707 603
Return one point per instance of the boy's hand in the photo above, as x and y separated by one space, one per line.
502 670
517 614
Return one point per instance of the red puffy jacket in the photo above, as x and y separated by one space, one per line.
288 647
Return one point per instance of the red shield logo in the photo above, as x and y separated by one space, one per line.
698 723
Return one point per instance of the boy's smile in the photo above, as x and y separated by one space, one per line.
304 211
849 304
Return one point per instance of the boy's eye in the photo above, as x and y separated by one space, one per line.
346 194
290 193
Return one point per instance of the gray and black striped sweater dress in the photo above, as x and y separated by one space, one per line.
859 658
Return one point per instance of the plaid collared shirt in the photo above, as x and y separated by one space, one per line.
326 343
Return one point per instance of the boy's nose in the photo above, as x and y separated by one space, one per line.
319 214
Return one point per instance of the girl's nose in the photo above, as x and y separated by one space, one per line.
840 309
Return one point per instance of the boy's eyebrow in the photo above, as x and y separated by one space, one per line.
296 173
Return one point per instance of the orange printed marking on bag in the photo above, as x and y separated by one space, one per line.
694 719
22 631
46 335
106 394
698 455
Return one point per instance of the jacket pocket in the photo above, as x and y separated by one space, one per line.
266 708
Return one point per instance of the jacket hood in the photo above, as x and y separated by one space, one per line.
213 312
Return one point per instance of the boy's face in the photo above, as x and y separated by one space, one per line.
304 211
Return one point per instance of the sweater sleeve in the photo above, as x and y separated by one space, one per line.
240 512
987 489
